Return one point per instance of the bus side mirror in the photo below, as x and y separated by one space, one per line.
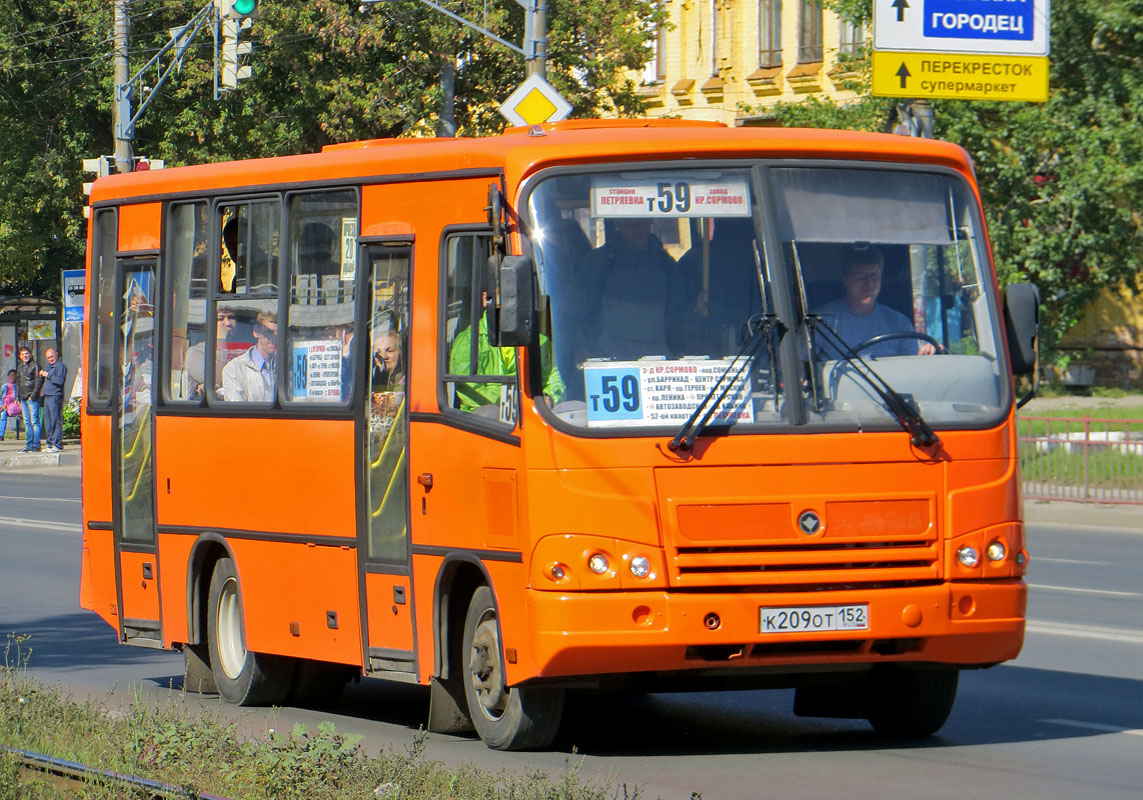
517 301
1022 324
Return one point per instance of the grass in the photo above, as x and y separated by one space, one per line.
204 754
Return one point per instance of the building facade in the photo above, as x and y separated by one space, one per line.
729 60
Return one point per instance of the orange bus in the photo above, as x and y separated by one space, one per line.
647 405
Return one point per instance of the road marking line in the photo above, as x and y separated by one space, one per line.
55 500
1084 631
1095 726
1071 561
16 522
1077 590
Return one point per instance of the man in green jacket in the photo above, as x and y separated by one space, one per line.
495 361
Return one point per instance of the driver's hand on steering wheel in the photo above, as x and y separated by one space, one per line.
925 349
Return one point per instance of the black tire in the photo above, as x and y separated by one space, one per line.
516 718
906 703
243 677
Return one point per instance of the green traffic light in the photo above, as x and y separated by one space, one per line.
245 7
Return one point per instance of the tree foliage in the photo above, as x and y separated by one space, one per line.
1061 182
324 71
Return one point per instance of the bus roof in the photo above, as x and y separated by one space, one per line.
520 151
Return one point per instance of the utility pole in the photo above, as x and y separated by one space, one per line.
121 111
536 36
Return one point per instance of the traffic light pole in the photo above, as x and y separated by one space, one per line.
535 49
123 116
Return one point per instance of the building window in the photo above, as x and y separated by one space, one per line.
714 33
810 31
851 39
655 70
770 33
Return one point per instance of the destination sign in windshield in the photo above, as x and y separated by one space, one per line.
669 196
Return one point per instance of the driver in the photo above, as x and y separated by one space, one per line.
858 316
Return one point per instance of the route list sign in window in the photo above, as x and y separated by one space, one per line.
634 393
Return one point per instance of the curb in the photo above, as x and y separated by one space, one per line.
13 459
1092 515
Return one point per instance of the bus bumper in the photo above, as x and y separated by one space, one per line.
969 623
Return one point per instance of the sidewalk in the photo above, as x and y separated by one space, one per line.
1099 515
11 458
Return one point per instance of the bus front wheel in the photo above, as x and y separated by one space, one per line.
506 718
910 702
242 677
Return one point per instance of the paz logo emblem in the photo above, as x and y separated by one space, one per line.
809 523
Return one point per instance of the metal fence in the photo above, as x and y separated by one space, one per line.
1084 459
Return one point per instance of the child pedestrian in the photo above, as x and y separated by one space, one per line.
9 404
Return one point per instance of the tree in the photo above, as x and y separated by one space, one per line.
1061 182
324 71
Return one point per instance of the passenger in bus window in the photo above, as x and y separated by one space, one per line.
724 286
630 289
196 356
251 377
345 338
495 361
388 373
858 316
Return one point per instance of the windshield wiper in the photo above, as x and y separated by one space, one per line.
906 414
684 440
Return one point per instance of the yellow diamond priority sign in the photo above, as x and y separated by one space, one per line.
535 101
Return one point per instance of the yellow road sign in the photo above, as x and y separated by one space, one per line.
963 76
535 101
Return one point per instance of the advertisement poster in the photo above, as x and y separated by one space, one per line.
42 330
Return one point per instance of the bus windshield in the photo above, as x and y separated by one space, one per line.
662 285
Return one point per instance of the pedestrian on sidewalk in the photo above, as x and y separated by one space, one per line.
28 386
54 376
9 404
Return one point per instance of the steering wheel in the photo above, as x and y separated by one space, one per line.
885 337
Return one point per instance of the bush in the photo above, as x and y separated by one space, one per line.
71 420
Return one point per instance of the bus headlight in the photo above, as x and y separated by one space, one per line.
640 566
598 564
968 557
996 551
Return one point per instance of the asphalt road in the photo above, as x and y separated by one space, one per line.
1065 720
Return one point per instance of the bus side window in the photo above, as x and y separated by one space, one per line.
187 267
321 275
488 369
246 356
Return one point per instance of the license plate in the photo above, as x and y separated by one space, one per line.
800 619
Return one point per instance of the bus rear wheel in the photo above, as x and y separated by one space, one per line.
506 718
910 702
242 677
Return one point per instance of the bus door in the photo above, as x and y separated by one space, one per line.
133 454
384 502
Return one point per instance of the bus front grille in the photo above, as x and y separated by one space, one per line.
761 544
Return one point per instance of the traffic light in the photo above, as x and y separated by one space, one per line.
236 9
235 18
